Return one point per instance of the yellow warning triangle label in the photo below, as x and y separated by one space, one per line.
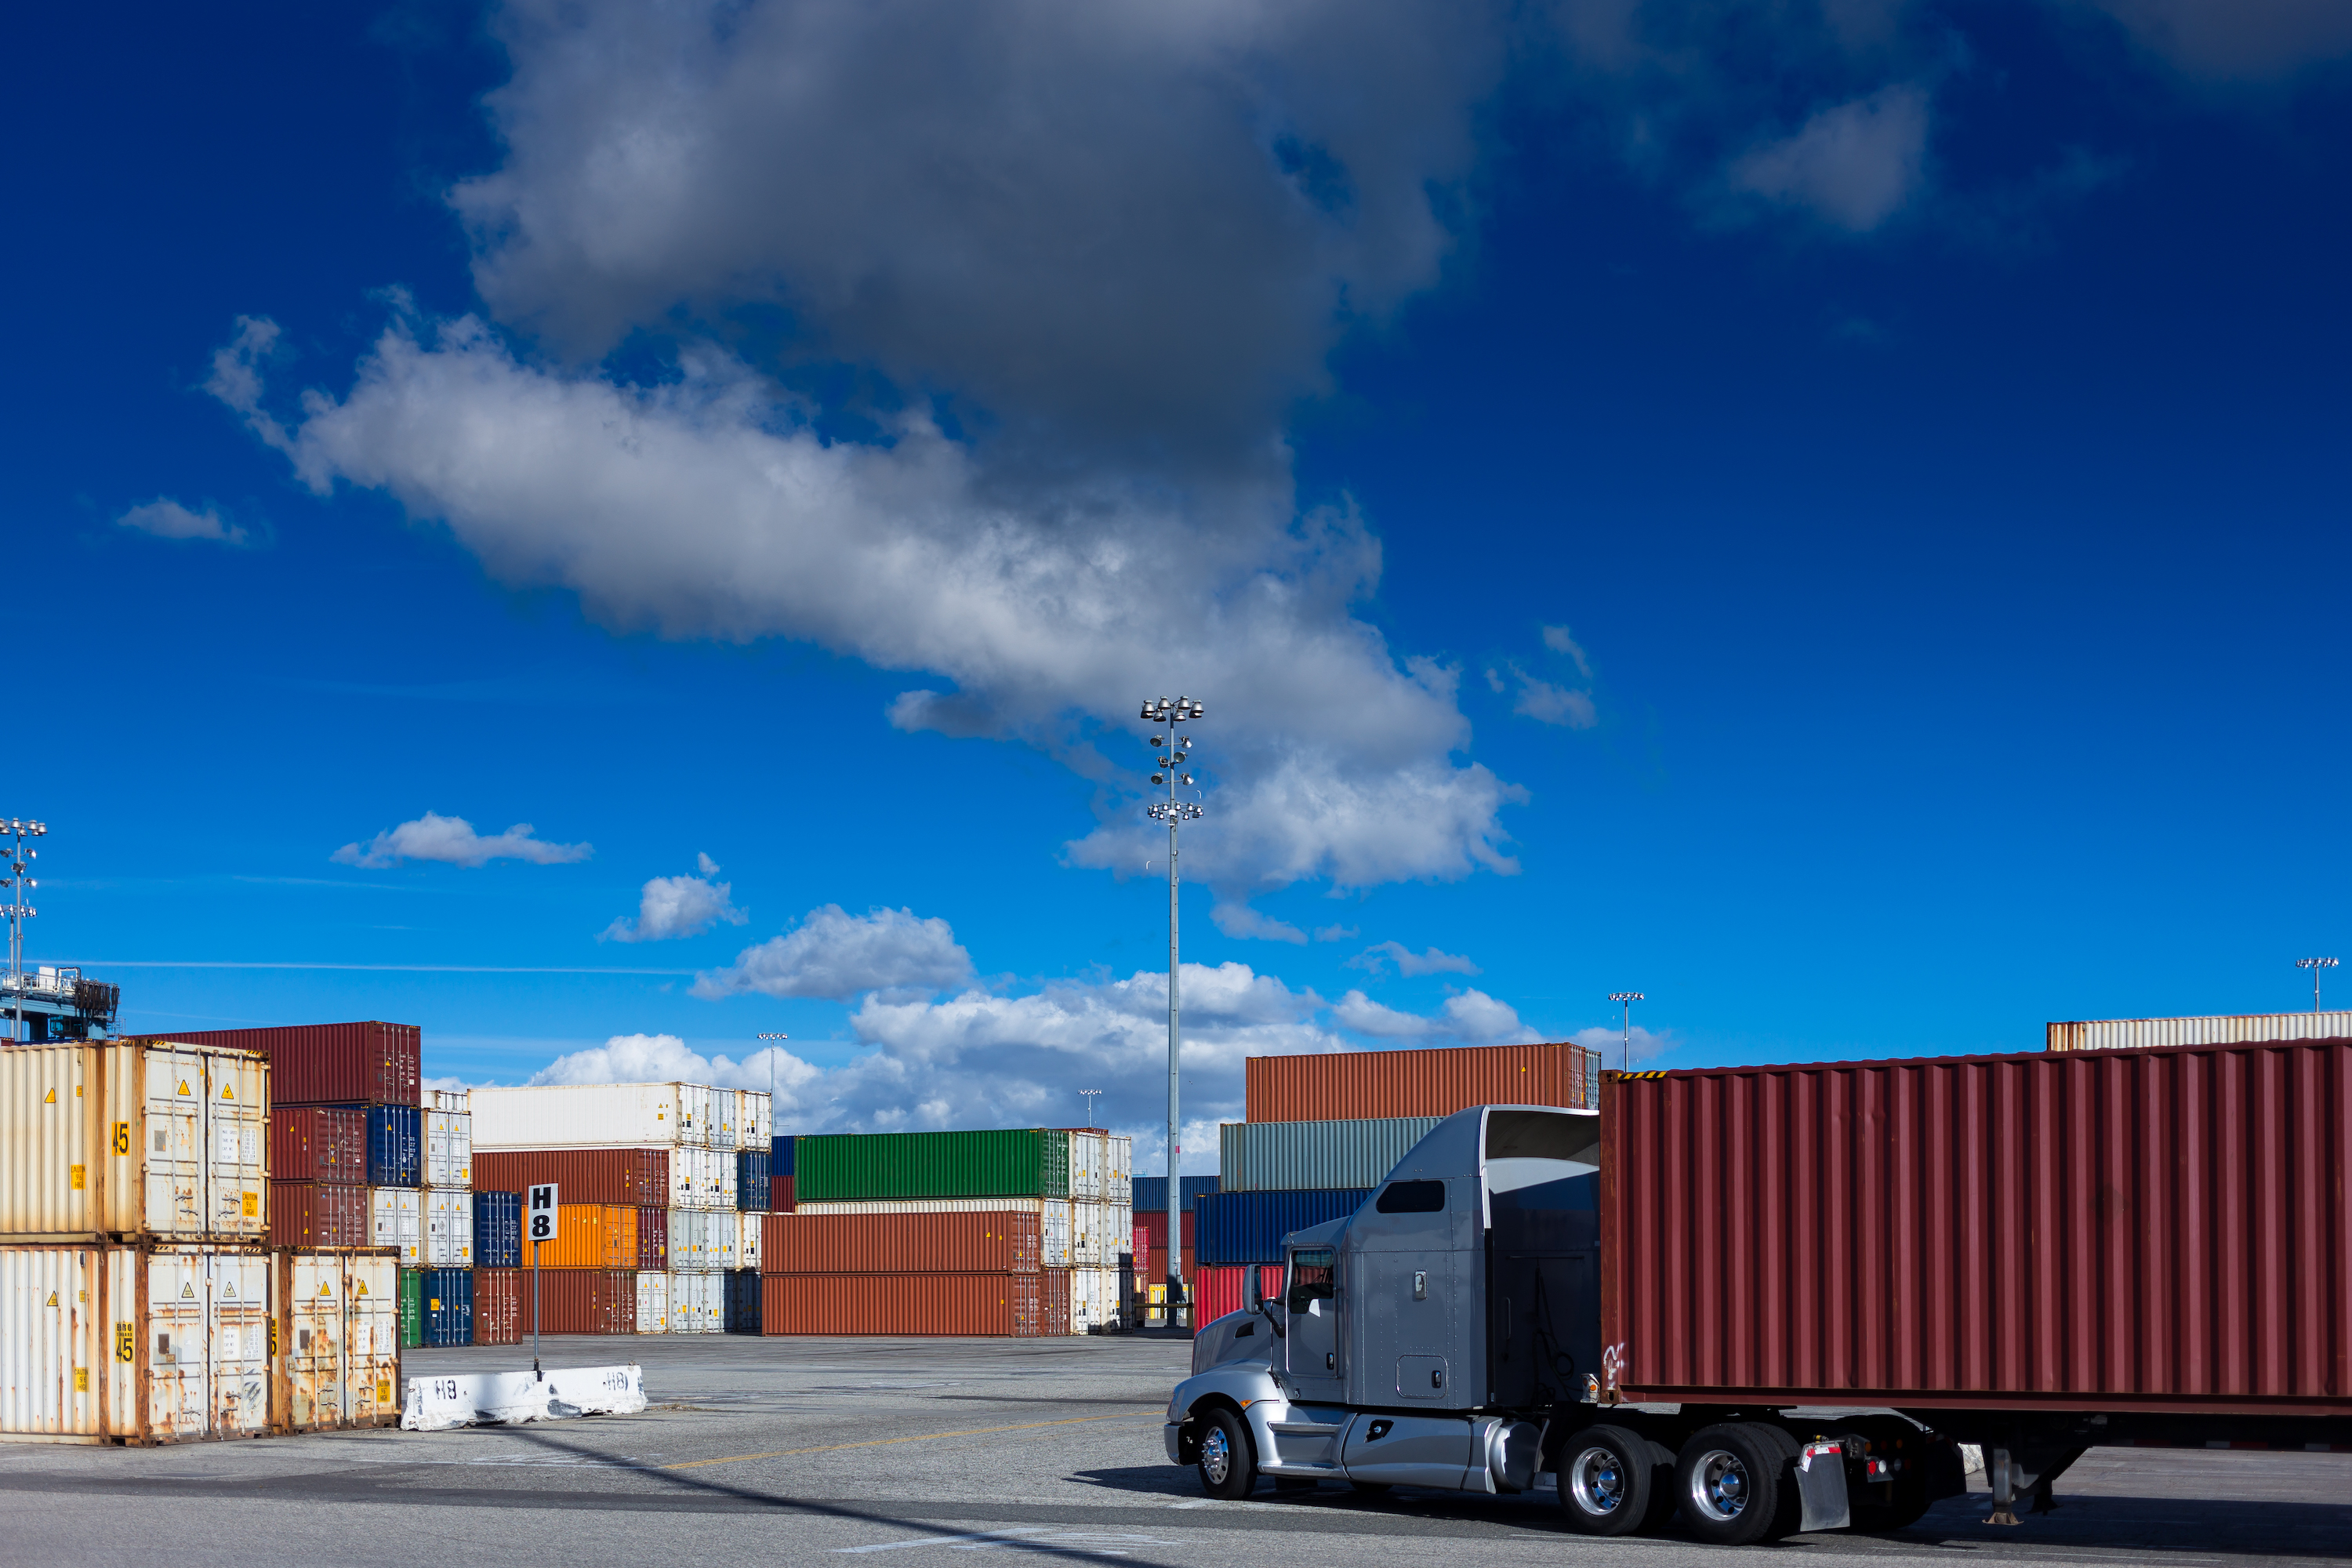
228 1093
184 1086
363 1290
51 1099
325 1289
188 1291
232 1291
53 1298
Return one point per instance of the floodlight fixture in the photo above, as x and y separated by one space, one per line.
2315 965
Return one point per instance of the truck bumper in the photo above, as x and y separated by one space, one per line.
1174 1434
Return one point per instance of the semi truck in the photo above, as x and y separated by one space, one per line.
1779 1299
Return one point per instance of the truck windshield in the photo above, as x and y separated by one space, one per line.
1312 1278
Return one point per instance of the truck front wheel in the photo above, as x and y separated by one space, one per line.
1728 1482
1606 1481
1228 1466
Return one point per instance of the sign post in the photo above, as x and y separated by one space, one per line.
539 1224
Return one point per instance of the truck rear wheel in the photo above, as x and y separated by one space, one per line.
1728 1482
1606 1481
1228 1464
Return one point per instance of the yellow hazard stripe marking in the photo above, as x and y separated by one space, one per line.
916 1438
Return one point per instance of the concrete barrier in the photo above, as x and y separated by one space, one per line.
465 1399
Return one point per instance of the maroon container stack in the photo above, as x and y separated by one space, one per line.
318 1213
318 1175
637 1178
369 1063
500 1306
780 1195
581 1300
653 1239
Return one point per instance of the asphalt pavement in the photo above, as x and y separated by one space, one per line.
923 1451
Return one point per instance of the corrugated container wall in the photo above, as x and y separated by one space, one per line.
447 1304
338 1359
748 1250
780 1155
697 1303
2107 1230
743 1301
498 1233
396 1220
996 1305
1361 1085
2225 1029
1262 1156
653 1301
751 1178
497 1304
582 1300
448 1148
1056 1242
456 1099
653 1240
1225 1289
780 1195
1248 1228
449 1230
588 1116
318 1143
396 1146
369 1063
638 1177
319 1213
1151 1193
981 1243
754 1121
130 1139
601 1237
848 1167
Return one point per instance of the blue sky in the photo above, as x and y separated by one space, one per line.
1832 516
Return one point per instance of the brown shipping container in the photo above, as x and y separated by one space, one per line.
1054 1302
1002 1240
499 1306
330 1063
780 1195
638 1177
653 1240
1363 1085
1154 1271
318 1213
2144 1230
972 1305
580 1300
318 1143
588 1236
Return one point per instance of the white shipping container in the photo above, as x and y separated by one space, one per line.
339 1341
134 1139
698 1116
697 1303
448 1148
396 1219
653 1302
747 1239
702 1178
1099 1232
703 1240
587 1116
755 1122
1093 1299
456 1099
2220 1029
162 1344
1101 1166
1056 1237
448 1228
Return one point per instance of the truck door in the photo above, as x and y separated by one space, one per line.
1312 1341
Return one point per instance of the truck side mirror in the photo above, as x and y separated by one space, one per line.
1256 1288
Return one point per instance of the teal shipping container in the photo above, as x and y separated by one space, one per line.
1289 1156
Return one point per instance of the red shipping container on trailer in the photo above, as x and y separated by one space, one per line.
318 1213
580 1300
369 1063
638 1178
1223 1287
653 1240
996 1240
977 1306
318 1143
1366 1086
499 1306
2157 1230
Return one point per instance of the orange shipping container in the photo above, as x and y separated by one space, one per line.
972 1305
589 1236
996 1241
1363 1085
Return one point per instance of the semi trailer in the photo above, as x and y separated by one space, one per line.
1773 1298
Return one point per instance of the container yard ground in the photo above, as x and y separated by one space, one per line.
826 1450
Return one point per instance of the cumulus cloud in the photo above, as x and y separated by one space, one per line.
167 518
453 841
1558 639
1242 923
1470 1017
1611 1043
1854 165
2240 41
1409 962
836 955
678 906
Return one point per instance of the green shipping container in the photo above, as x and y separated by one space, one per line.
412 1308
848 1167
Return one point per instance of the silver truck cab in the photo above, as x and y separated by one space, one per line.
1424 1340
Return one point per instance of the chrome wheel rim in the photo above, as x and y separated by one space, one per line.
1719 1485
1216 1457
1597 1481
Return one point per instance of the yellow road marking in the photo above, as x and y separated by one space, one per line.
916 1438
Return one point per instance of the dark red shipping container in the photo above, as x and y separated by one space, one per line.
637 1177
1000 1240
1352 1086
318 1213
318 1143
653 1240
2161 1230
1054 1302
580 1300
780 1195
499 1306
370 1063
968 1305
1151 1268
1151 1231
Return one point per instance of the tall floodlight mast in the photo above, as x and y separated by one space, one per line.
1172 753
1627 998
17 887
2315 965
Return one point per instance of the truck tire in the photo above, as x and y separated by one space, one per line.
1228 1466
1789 1515
1607 1481
1728 1482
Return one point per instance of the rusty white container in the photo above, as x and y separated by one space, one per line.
1099 1232
653 1302
457 1100
338 1361
1057 1218
1101 1165
591 1116
1093 1299
754 1122
448 1148
697 1303
747 1239
148 1343
2220 1029
447 1241
133 1140
396 1222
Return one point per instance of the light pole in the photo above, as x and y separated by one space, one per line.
1625 1056
1173 752
1090 1096
15 887
2315 965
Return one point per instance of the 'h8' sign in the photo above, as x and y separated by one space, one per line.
539 1212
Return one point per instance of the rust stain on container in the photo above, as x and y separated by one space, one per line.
1004 1240
965 1305
2164 1229
1336 1086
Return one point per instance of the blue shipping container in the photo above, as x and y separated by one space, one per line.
447 1300
498 1230
1151 1192
1248 1228
780 1155
395 1145
750 1180
743 1301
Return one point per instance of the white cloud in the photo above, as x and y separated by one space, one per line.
837 955
2242 40
453 841
1854 165
167 518
1549 704
1242 923
1336 932
1409 962
678 906
1472 1017
1611 1042
1558 639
